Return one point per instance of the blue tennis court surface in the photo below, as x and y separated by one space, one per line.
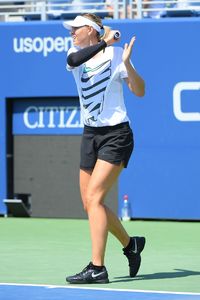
39 292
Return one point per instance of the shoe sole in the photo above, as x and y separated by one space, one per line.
89 282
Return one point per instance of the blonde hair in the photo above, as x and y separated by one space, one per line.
98 21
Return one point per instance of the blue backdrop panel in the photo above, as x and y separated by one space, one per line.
162 178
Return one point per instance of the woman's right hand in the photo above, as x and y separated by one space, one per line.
109 39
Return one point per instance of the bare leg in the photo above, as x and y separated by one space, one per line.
94 186
114 225
116 228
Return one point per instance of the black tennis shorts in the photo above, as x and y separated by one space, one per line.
113 144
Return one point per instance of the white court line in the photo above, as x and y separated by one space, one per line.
98 289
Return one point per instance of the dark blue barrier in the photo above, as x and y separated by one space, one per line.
48 117
162 180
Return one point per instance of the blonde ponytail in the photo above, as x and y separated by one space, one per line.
106 29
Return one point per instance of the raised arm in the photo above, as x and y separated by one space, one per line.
135 83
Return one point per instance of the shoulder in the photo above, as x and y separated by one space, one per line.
72 50
117 51
114 52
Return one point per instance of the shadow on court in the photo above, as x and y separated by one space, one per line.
161 275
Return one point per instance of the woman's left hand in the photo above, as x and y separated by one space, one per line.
128 50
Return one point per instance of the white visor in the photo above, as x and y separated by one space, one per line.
81 21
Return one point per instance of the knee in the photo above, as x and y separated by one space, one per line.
88 200
91 200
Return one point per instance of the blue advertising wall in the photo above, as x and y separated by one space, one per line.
162 179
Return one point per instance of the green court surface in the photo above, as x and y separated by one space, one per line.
44 251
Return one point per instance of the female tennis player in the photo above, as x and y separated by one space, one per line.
99 70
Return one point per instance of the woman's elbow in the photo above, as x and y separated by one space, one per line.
140 90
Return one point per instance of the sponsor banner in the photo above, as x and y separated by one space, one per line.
184 105
40 117
42 45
